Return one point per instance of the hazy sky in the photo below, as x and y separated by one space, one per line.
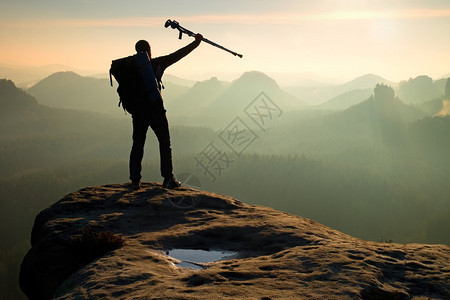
331 38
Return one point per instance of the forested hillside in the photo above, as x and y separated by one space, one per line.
378 170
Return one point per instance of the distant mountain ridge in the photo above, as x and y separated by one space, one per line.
382 109
381 120
364 81
178 80
242 91
26 76
23 115
208 99
420 89
197 98
319 95
13 98
347 99
73 91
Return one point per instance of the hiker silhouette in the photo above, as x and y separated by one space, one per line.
154 115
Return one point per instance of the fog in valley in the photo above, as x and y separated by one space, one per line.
369 157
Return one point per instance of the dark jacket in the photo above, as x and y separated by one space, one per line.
160 63
132 89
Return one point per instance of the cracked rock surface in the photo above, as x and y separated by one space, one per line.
279 255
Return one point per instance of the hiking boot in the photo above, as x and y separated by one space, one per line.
171 183
136 185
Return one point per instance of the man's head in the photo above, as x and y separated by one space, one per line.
142 46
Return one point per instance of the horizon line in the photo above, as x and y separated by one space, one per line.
236 75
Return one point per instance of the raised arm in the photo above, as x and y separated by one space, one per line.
172 58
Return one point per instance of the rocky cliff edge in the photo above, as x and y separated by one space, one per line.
112 242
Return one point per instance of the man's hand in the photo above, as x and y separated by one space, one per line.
198 37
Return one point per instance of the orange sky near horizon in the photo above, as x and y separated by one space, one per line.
335 39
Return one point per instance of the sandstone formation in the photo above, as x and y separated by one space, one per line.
279 255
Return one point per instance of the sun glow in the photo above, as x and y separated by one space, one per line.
445 111
344 40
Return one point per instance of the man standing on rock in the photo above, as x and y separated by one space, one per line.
154 115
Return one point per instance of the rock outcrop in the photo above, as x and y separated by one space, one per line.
279 255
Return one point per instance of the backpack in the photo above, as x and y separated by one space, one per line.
138 87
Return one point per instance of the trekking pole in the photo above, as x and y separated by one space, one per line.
175 25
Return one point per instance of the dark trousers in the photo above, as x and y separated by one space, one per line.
158 122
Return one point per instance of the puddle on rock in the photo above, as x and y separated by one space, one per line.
194 258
